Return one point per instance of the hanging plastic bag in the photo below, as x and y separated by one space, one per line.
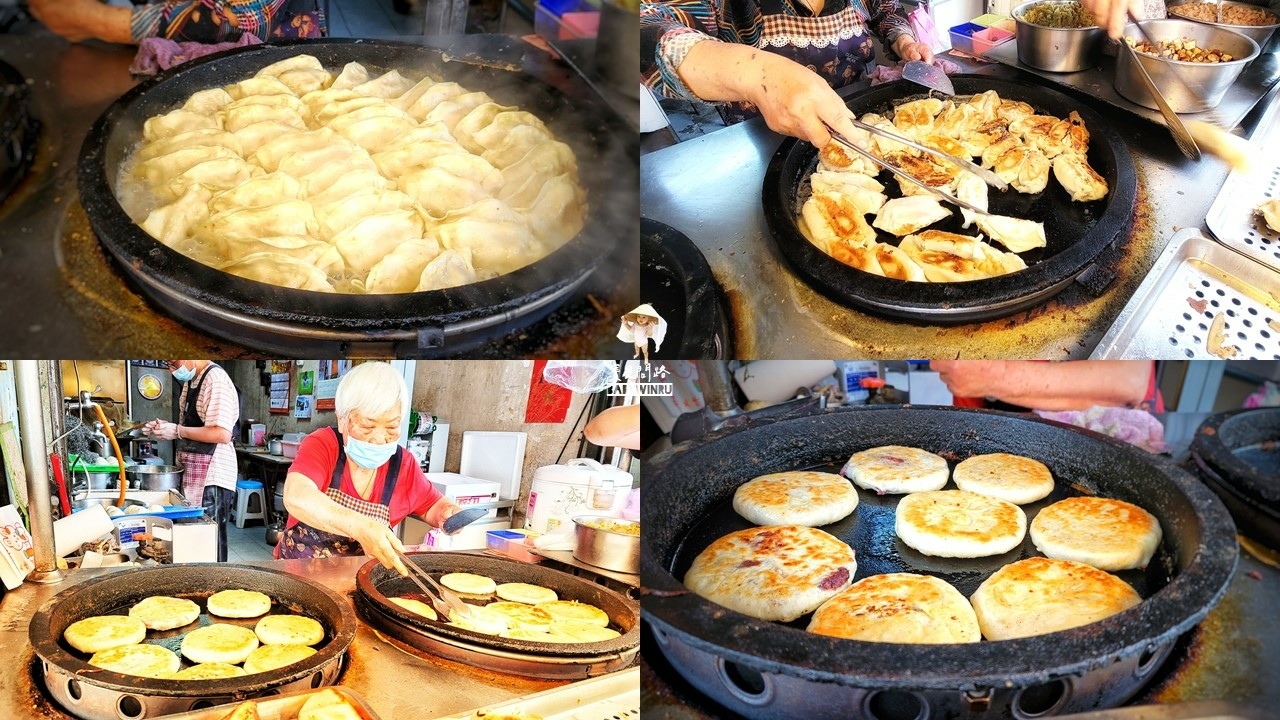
584 376
923 28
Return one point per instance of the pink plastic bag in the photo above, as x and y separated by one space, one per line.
923 28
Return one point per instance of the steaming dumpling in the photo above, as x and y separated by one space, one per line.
498 237
440 192
834 218
475 121
321 167
556 214
421 134
321 254
175 122
395 163
377 110
305 81
514 145
1014 233
170 223
264 85
240 117
278 269
339 215
271 153
353 74
297 62
863 191
450 112
388 86
263 190
450 268
253 137
276 101
207 101
524 179
413 94
291 217
344 106
433 95
905 215
362 245
204 137
352 183
218 174
400 271
162 169
376 133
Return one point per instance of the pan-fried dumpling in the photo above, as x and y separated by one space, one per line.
453 110
864 191
1024 168
319 168
915 119
1014 233
450 268
353 74
301 82
1014 110
1270 212
387 86
832 217
928 169
422 105
376 110
948 257
175 122
896 264
987 103
396 163
879 145
958 121
556 214
976 142
218 174
547 159
265 85
435 132
1003 142
337 216
321 254
413 94
207 101
514 145
271 153
263 190
362 245
253 137
1079 179
855 255
475 121
297 62
836 157
291 217
973 190
162 169
905 215
279 269
440 191
237 118
170 223
204 137
493 134
499 238
352 183
376 133
400 271
277 101
349 103
470 167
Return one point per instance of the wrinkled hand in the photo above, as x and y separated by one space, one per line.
1111 14
967 378
908 49
161 429
795 101
63 17
379 542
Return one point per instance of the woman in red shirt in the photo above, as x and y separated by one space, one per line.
351 484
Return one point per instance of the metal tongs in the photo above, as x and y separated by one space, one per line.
840 138
447 604
987 176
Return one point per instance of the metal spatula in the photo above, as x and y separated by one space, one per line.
922 73
463 518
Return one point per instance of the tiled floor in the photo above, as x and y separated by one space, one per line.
248 544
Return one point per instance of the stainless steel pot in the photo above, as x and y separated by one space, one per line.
608 549
97 480
156 477
1210 79
275 446
1056 49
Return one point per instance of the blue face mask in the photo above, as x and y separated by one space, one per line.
184 374
368 455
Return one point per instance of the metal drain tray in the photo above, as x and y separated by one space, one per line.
1232 219
615 696
1194 280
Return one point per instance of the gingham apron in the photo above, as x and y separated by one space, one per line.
836 46
305 541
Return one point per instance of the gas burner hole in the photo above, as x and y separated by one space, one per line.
202 704
73 689
896 705
271 693
129 706
1041 700
317 680
744 683
1150 659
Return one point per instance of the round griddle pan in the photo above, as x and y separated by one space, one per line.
1077 233
91 692
678 282
1096 665
247 310
1237 454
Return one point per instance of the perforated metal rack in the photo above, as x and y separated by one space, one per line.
1232 219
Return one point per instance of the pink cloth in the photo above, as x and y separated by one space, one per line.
1137 427
156 54
890 73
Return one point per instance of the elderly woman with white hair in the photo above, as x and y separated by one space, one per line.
350 484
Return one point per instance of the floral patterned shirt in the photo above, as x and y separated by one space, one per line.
212 21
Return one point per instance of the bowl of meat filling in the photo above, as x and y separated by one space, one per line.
1057 35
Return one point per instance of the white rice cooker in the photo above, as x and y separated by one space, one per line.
580 486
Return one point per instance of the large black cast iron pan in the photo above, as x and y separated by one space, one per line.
272 317
770 670
1237 454
1077 233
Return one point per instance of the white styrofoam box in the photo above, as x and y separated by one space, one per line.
497 456
471 537
466 491
773 381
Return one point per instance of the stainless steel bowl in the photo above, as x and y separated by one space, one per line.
1258 33
97 480
156 477
1056 49
82 503
1210 79
607 549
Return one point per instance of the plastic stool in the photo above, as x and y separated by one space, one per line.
246 492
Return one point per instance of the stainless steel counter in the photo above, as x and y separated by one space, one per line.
710 189
397 684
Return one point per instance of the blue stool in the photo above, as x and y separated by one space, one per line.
247 491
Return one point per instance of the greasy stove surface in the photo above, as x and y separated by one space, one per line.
1233 655
61 297
709 188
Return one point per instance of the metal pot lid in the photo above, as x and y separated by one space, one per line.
116 592
1243 448
1077 233
688 482
271 316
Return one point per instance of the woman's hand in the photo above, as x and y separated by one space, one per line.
78 20
379 542
161 429
1112 15
908 49
796 101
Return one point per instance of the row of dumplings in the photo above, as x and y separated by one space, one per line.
353 184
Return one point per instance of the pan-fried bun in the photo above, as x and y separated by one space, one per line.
1043 595
416 606
574 610
526 593
209 671
161 612
219 642
955 523
270 657
328 704
772 573
895 469
799 497
519 615
1012 478
103 632
1105 533
289 630
151 661
238 604
469 583
247 710
898 608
